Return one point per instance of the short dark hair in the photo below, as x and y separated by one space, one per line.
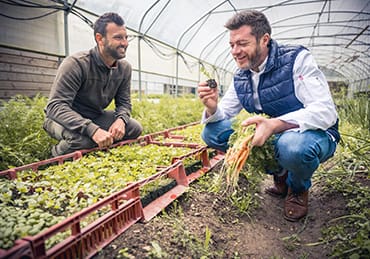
255 19
100 24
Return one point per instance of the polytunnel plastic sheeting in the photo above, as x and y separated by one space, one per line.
336 31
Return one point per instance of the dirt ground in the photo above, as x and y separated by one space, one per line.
180 231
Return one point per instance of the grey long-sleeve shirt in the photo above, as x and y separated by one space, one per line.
84 86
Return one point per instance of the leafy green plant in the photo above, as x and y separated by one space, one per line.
23 139
156 251
207 238
61 190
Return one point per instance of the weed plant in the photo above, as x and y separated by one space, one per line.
348 173
195 245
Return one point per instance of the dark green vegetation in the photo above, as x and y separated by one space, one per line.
22 138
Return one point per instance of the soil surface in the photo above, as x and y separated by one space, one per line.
181 230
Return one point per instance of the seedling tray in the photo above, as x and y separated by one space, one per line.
122 208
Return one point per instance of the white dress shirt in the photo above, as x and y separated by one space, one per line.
311 89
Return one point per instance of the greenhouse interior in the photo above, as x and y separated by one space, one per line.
166 193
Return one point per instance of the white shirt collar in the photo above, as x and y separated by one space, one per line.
261 67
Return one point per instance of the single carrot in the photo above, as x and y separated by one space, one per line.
242 159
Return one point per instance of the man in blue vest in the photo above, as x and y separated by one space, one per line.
284 83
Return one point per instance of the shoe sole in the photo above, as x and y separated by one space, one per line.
282 196
293 219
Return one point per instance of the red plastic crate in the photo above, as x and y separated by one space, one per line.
85 242
12 173
21 249
177 172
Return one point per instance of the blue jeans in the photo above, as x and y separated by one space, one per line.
299 152
216 134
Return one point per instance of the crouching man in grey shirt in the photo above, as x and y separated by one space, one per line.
85 84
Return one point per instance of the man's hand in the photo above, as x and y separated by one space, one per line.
209 97
103 138
118 129
266 127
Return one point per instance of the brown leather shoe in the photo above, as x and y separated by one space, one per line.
296 205
280 188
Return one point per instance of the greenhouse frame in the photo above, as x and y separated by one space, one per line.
170 41
209 201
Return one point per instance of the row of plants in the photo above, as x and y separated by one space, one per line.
24 141
37 200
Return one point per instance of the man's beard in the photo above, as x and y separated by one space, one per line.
255 59
113 52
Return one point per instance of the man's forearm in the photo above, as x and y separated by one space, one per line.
280 125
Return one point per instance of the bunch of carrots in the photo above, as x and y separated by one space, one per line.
240 155
237 155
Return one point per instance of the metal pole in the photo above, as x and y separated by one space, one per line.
177 73
139 64
66 38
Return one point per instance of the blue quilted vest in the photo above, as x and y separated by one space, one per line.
276 85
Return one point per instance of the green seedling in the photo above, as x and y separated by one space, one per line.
210 82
